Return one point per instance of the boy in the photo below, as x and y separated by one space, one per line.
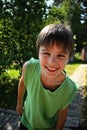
49 89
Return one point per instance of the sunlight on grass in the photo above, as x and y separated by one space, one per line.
86 81
70 68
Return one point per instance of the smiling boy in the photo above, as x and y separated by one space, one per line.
49 89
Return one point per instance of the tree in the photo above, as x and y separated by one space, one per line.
84 21
71 12
20 22
55 15
27 23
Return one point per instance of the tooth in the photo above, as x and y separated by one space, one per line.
51 69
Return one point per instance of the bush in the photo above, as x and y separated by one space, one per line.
78 57
8 88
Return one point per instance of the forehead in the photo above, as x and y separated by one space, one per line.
56 48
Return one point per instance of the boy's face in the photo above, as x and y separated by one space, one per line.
53 60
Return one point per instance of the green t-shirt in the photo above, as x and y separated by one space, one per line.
41 105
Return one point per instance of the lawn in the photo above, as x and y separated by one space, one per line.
70 68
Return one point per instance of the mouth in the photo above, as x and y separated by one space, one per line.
50 69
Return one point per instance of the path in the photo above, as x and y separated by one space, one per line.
75 110
9 120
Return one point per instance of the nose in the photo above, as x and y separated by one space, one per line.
52 60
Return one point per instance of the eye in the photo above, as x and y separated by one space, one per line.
61 56
46 53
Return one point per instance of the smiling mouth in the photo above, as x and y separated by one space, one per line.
51 69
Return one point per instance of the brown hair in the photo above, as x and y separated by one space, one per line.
58 34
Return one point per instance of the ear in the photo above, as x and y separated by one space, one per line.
67 61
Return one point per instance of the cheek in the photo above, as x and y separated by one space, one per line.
63 63
42 60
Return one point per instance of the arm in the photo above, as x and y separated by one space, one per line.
61 119
21 91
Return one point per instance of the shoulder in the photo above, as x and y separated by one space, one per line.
30 62
72 84
30 69
29 65
69 92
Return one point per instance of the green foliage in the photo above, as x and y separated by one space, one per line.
21 21
73 13
77 57
20 24
55 15
8 88
11 74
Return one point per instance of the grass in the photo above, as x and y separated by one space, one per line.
70 68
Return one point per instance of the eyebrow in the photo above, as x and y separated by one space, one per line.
63 51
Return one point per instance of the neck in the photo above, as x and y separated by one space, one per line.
52 83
